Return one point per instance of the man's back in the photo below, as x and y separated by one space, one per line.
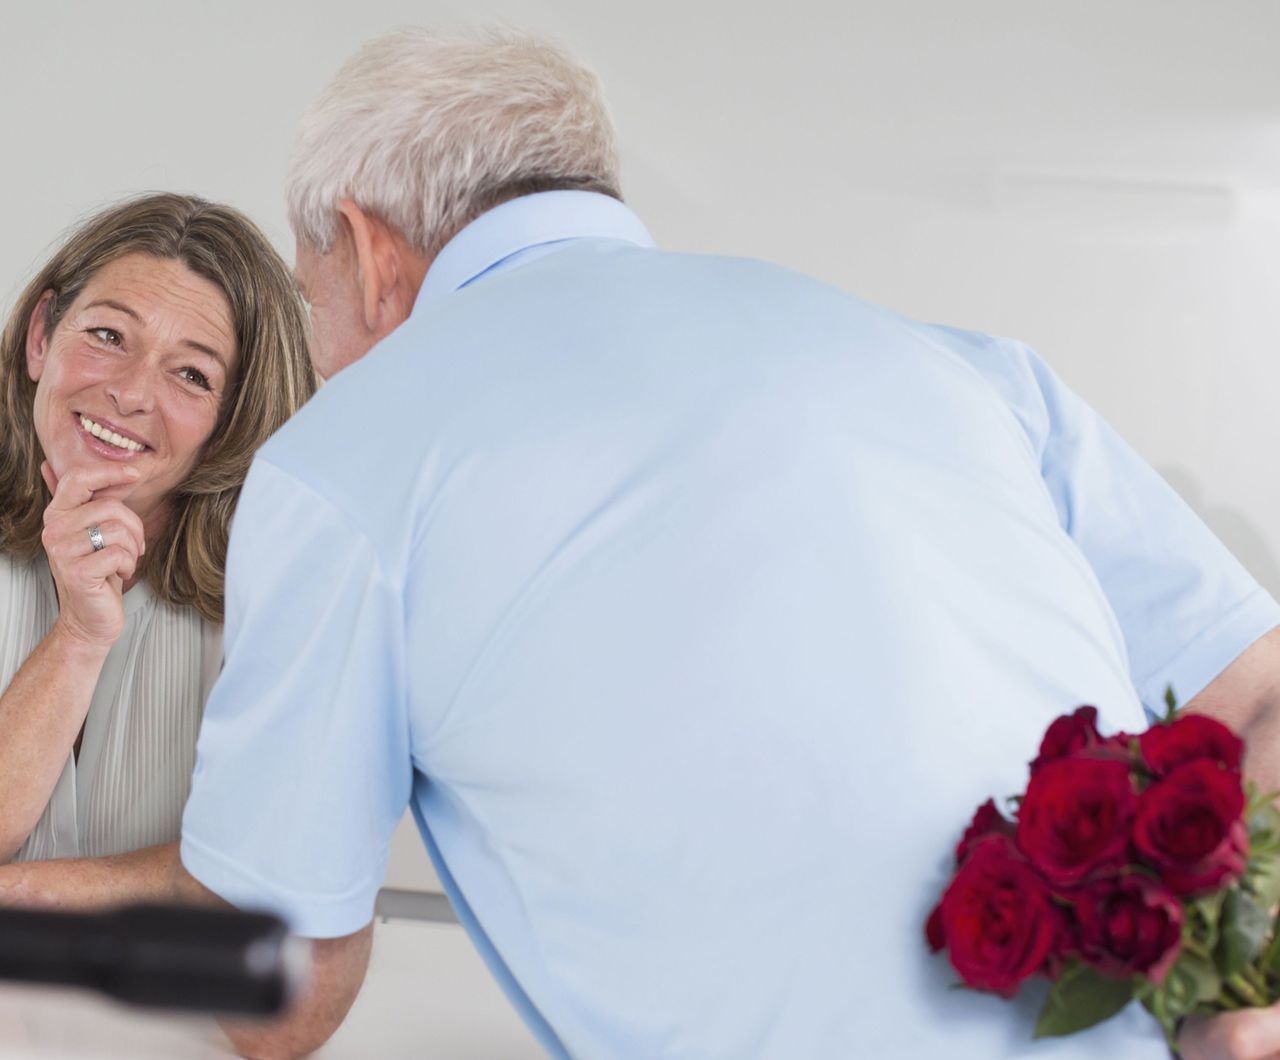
710 601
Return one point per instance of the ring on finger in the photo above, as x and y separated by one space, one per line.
95 538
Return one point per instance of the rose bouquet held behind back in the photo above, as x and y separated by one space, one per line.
1134 867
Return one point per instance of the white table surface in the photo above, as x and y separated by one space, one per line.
427 994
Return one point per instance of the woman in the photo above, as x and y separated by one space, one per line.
139 372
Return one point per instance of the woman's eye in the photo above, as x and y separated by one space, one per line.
194 375
108 335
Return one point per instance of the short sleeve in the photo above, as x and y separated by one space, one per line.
303 767
1186 606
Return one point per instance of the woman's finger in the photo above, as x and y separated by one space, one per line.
69 543
66 543
94 569
79 485
76 521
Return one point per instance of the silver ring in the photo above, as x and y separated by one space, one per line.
95 538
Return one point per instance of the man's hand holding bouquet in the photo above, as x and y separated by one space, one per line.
1134 867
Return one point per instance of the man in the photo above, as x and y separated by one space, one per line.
690 604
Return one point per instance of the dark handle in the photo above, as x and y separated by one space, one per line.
195 960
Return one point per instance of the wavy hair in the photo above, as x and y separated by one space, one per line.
272 380
428 131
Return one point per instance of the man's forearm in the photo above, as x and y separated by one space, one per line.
337 971
1246 697
148 875
156 874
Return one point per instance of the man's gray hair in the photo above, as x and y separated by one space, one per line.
428 131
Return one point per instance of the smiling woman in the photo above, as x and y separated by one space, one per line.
135 373
139 372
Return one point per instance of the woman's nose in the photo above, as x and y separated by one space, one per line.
133 389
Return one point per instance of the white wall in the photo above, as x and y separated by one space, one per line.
1100 179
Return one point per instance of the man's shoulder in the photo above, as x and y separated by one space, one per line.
609 275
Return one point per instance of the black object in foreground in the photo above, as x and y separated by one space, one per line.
191 959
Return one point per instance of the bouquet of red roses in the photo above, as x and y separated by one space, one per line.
1134 867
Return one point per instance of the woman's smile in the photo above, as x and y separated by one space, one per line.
103 438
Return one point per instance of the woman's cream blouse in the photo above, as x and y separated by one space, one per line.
133 775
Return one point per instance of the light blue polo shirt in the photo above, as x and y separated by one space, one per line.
692 605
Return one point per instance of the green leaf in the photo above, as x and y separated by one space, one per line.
1154 1002
1262 880
1256 798
1244 928
1197 980
1202 918
1171 703
1192 983
1081 998
1270 963
1262 814
1157 1004
1209 906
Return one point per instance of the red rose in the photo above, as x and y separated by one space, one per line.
987 821
934 934
996 919
1129 925
1192 736
1190 827
1119 746
1068 734
1075 817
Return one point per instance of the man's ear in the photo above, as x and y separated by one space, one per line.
38 337
388 271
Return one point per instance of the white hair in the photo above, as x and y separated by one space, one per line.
428 131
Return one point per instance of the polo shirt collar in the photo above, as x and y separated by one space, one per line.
523 224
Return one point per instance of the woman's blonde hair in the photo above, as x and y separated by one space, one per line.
273 378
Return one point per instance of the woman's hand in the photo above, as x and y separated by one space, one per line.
91 583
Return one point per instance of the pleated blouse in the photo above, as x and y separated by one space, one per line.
133 775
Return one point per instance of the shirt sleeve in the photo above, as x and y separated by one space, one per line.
1186 606
303 763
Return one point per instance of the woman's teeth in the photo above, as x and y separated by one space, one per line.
98 431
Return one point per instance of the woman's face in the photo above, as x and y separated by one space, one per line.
135 372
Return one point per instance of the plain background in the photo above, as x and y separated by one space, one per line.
1100 179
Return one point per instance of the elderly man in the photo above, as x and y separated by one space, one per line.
690 604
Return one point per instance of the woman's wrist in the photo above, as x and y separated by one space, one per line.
75 647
